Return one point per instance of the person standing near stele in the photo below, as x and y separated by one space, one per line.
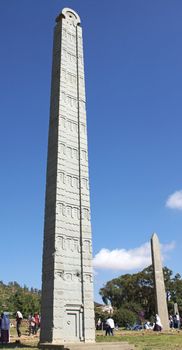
5 326
110 326
19 318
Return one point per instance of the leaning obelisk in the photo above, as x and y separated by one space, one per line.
67 313
160 293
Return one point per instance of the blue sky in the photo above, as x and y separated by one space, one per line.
133 74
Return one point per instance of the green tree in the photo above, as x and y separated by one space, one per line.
128 289
138 289
13 298
124 317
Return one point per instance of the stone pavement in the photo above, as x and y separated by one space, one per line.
96 346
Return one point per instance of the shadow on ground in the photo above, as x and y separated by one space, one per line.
16 345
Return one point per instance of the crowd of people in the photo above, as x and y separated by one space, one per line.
109 325
33 325
175 321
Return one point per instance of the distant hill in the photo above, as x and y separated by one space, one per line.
13 297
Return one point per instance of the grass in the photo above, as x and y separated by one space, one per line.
147 340
143 340
25 342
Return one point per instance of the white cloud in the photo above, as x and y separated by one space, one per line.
167 247
123 259
174 201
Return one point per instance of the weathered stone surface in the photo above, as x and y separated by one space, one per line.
67 313
160 293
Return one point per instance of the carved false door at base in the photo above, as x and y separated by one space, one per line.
74 324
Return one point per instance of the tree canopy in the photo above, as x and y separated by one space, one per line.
135 292
13 297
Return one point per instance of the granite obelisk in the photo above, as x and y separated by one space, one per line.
67 313
160 293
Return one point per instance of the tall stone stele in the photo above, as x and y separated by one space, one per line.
160 293
67 313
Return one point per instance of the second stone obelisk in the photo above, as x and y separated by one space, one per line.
160 293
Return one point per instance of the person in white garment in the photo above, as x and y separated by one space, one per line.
19 318
110 326
158 325
177 320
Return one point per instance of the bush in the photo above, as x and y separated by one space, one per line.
123 317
